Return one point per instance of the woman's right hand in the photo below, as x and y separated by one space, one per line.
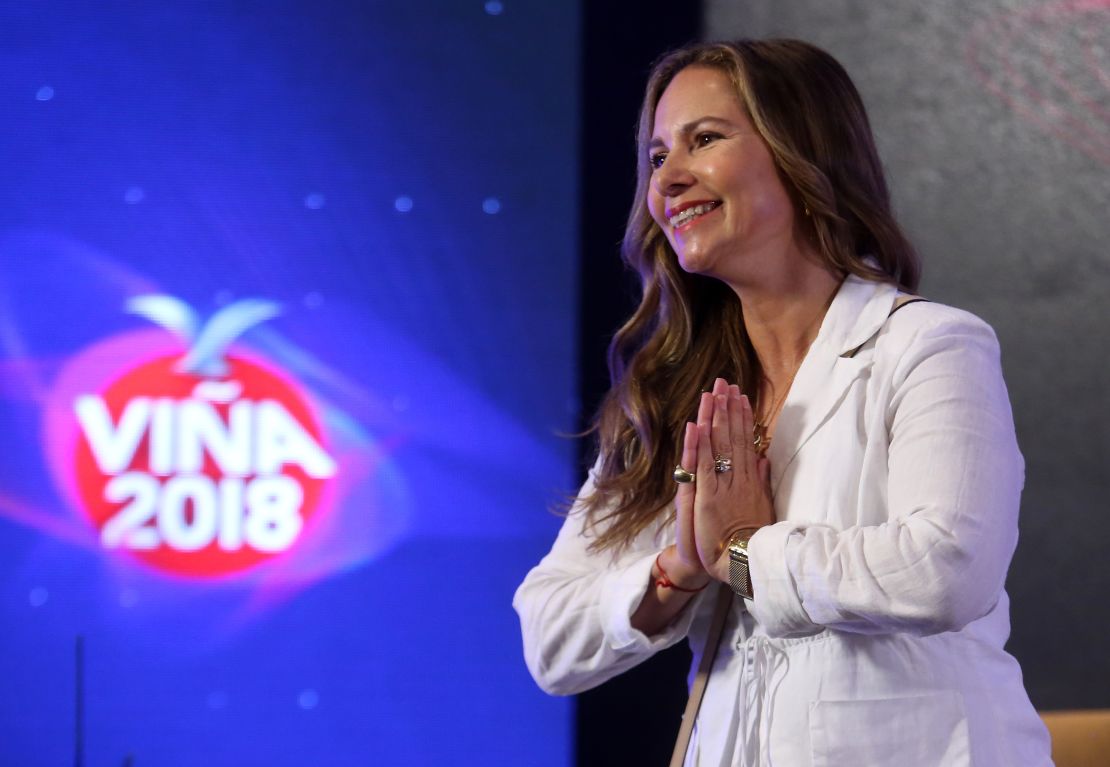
681 561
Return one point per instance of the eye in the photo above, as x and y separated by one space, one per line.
705 138
656 160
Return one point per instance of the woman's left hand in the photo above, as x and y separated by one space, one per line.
734 500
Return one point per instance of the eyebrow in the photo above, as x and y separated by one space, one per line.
689 128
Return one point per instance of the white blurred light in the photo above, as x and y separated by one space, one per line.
38 596
403 204
45 93
308 699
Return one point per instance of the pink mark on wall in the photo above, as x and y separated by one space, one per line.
1050 64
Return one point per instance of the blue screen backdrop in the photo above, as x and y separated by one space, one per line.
287 300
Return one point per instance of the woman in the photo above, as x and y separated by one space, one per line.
852 469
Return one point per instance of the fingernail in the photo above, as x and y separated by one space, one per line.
722 401
745 401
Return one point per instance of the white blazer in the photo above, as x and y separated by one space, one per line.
877 630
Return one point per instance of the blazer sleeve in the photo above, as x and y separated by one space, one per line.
575 608
954 483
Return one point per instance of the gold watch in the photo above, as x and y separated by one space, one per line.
739 576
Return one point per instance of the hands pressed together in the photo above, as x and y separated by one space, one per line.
717 505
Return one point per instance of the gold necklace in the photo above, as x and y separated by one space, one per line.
761 440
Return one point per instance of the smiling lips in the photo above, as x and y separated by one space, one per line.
684 214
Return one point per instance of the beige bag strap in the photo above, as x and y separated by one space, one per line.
899 302
903 300
725 598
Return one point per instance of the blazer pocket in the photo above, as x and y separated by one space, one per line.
915 731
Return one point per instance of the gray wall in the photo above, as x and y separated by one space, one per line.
993 120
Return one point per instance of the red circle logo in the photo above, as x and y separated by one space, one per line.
196 475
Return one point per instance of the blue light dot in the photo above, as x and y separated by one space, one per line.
38 596
223 297
45 93
403 204
128 598
217 700
134 195
494 8
491 205
308 699
400 403
313 300
314 201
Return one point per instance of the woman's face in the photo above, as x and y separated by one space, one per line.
714 190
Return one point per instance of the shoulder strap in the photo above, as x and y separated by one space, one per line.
898 304
903 301
724 601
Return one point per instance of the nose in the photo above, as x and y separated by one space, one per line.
674 176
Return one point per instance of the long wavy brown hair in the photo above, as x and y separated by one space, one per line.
689 329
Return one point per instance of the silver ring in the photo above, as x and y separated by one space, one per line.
683 477
722 464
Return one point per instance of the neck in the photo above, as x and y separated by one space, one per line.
782 314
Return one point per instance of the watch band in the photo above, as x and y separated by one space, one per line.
739 574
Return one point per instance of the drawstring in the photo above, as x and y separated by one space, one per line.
762 660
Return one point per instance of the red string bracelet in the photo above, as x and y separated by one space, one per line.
665 580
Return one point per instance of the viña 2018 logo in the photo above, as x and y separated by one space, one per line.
201 464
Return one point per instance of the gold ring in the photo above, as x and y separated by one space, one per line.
683 477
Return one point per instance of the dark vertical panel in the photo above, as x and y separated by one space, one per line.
631 720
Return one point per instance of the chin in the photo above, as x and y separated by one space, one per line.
695 263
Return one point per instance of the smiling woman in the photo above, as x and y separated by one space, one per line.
715 191
847 472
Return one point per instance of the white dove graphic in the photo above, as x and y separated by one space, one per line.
207 342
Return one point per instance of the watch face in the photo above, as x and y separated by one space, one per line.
739 578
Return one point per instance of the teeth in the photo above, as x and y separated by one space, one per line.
690 213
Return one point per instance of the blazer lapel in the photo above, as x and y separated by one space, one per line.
855 315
